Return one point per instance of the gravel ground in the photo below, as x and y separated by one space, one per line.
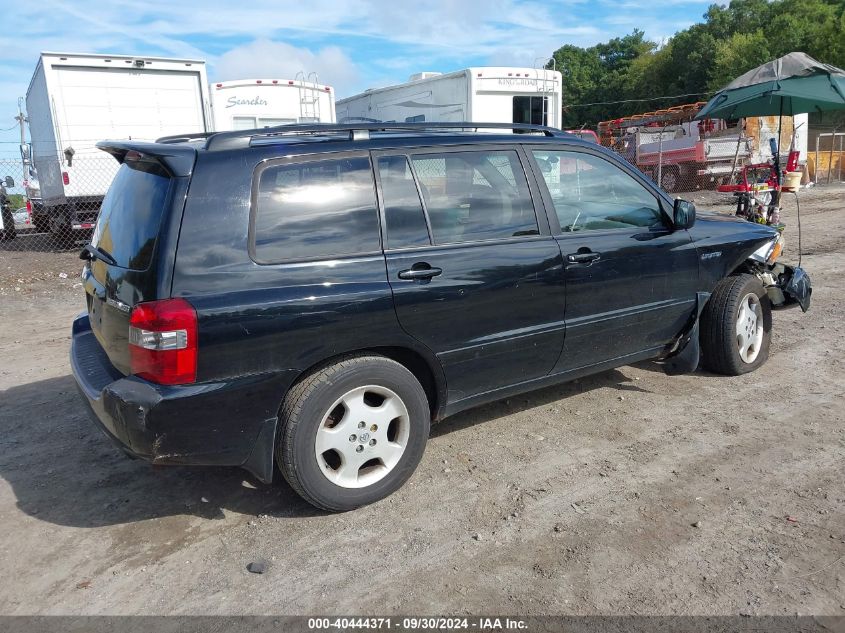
626 493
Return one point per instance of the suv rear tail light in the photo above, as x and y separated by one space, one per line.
65 178
163 341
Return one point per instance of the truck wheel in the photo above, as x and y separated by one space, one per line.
353 432
41 223
9 231
736 326
61 231
671 179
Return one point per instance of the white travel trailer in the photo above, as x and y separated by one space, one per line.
246 104
75 100
485 94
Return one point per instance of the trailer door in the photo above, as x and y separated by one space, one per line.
118 103
94 104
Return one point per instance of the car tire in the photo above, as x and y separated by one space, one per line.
736 326
371 416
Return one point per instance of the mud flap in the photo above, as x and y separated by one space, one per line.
261 460
684 359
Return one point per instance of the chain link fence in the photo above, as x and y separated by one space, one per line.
718 164
57 211
826 156
681 164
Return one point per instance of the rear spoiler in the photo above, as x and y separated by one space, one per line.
178 160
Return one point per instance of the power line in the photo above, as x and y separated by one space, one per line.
584 105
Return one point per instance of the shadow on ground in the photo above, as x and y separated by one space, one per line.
63 470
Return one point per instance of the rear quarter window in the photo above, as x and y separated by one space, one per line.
130 216
315 210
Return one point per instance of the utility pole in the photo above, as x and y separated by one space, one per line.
25 157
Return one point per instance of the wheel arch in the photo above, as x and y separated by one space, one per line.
423 366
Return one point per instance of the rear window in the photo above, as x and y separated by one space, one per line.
315 210
131 214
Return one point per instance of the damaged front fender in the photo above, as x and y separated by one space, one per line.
787 287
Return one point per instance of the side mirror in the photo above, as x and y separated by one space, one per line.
683 215
9 181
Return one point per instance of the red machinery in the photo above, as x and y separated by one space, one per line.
681 150
758 190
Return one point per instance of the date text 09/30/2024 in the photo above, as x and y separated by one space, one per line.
418 623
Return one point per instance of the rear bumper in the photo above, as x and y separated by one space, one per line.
226 423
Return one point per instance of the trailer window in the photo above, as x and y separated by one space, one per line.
315 210
473 196
531 110
591 193
265 122
243 123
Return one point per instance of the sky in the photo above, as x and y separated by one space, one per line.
351 45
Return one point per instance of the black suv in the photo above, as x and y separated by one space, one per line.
315 296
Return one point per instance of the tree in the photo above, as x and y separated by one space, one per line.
16 200
736 55
636 75
597 74
581 70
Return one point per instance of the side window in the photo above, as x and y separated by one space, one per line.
591 193
472 196
403 210
313 210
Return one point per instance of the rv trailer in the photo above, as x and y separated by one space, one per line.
483 94
246 104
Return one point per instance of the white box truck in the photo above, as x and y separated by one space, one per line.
246 104
75 100
484 94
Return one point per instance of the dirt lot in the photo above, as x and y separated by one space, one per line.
627 493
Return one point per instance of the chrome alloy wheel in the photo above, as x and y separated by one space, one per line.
749 328
362 436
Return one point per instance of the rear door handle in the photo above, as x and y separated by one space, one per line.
420 273
583 258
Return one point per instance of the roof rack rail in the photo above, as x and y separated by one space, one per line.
355 131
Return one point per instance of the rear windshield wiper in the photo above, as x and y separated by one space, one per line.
95 252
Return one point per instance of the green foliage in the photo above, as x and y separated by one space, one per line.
17 200
737 54
732 40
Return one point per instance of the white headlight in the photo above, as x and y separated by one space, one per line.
762 254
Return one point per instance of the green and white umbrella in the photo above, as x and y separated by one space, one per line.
793 84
